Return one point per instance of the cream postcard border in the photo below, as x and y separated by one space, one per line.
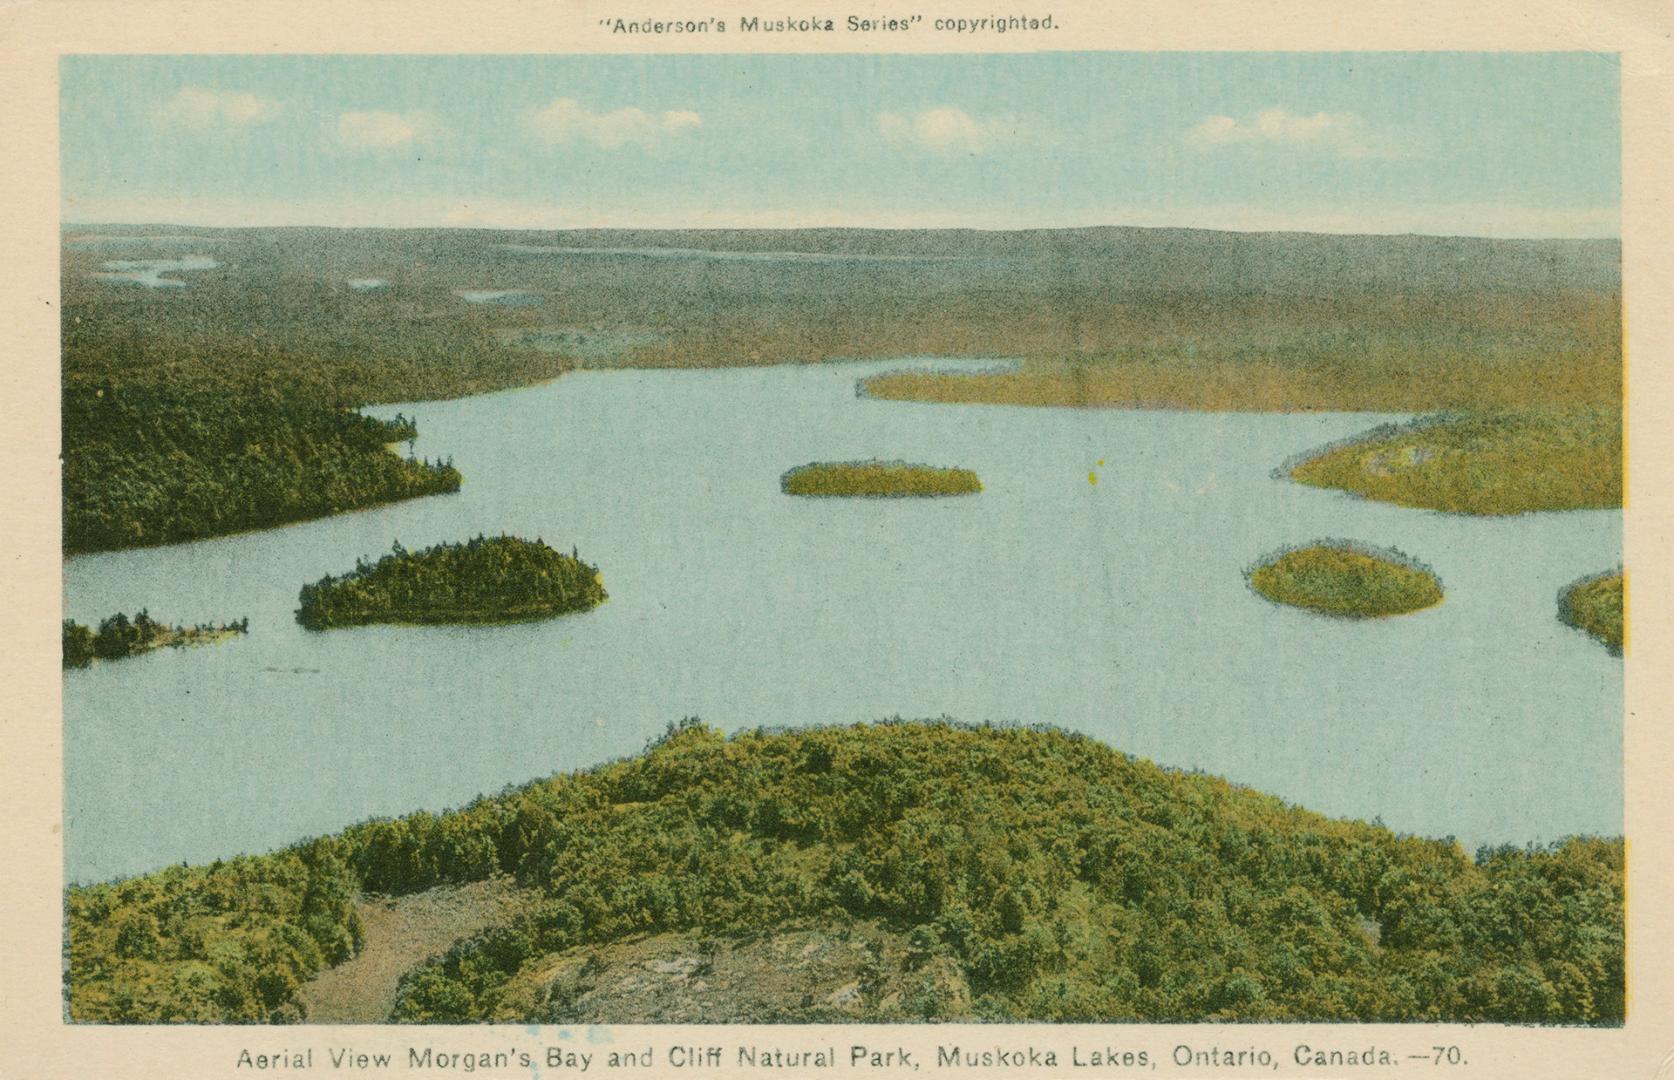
35 1041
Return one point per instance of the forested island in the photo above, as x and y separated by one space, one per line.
487 579
147 466
1002 874
877 480
120 636
1347 580
1595 604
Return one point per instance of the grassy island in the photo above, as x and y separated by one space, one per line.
1347 580
878 480
1486 463
1594 604
120 636
902 871
488 579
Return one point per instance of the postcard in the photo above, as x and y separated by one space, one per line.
711 541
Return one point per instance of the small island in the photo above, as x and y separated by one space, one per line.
120 636
1347 580
1594 604
877 480
486 580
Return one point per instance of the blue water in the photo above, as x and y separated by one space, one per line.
1117 609
150 272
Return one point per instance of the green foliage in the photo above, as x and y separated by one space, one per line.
154 467
226 943
1348 580
1069 882
119 636
1065 881
78 644
878 479
488 579
1494 462
1595 604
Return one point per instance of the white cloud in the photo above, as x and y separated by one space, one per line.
567 119
374 130
1341 134
197 108
943 130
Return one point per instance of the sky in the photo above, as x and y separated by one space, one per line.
1443 143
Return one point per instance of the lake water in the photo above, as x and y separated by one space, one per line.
503 297
1117 608
150 272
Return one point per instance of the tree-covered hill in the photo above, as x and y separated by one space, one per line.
1044 875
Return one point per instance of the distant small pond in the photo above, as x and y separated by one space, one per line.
502 297
150 272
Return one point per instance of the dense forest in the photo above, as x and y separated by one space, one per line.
227 404
120 636
1055 878
488 579
145 466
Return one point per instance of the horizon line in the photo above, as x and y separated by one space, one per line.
66 224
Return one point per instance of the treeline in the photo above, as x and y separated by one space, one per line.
151 467
1065 880
487 579
120 636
